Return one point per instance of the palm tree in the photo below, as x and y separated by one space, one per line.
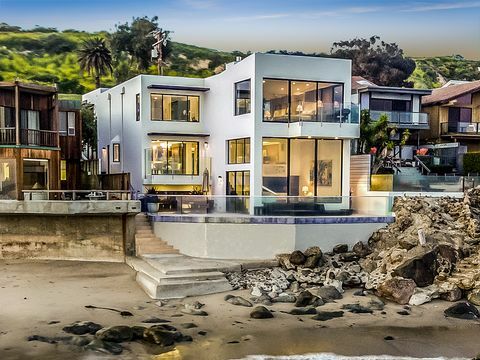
95 58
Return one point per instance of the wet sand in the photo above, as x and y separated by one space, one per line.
34 293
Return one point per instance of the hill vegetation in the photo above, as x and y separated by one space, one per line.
46 55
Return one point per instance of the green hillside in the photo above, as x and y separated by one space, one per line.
49 56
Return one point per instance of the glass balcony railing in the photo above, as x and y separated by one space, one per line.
268 205
472 128
403 119
327 112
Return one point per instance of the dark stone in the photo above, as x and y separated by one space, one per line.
327 315
449 253
303 311
314 257
376 304
348 257
361 249
359 293
313 250
115 334
195 312
238 300
233 342
261 312
53 322
158 335
138 332
264 299
463 310
388 338
357 309
155 320
403 312
340 248
48 339
306 298
202 333
329 293
336 265
112 348
421 269
297 258
188 325
179 337
82 328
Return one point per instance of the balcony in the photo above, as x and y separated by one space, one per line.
29 137
327 113
403 119
460 128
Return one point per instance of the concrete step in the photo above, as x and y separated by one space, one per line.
187 265
159 285
152 249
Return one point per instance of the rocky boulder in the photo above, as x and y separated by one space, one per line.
463 310
397 289
421 269
261 312
116 334
297 258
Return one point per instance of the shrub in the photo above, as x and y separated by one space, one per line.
471 162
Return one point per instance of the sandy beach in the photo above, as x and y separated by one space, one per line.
41 297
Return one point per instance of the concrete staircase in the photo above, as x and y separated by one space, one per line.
145 240
167 276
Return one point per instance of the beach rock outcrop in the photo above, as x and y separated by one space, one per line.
261 312
397 289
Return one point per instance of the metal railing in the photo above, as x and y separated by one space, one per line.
267 205
460 128
39 137
403 118
75 195
421 165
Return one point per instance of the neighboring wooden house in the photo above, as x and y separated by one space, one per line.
70 130
29 139
454 115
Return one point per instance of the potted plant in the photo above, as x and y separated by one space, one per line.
152 200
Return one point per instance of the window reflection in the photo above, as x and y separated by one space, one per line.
242 97
275 100
175 157
174 108
303 100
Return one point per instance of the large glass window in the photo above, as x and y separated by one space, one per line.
175 107
242 97
67 123
275 100
292 100
175 157
275 153
35 174
302 167
30 119
238 151
390 105
238 183
314 167
303 100
329 168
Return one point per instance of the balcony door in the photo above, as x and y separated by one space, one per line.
459 119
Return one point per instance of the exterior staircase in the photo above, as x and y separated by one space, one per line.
145 240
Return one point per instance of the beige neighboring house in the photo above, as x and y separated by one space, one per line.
454 114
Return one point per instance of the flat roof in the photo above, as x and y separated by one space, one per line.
178 87
177 134
393 89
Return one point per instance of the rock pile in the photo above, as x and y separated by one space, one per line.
432 250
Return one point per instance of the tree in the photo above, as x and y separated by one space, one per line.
375 60
375 139
137 40
89 129
95 58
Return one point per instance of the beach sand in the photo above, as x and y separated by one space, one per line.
34 293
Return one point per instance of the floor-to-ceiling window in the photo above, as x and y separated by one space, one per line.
35 174
302 167
275 100
275 169
238 189
174 157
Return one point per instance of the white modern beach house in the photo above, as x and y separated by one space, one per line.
267 125
266 143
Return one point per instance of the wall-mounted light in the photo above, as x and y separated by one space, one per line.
205 145
220 180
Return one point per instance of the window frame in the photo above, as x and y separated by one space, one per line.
183 142
235 172
289 97
179 95
116 147
235 141
137 107
236 108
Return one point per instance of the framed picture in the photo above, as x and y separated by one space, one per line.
324 173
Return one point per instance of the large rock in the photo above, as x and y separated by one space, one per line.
474 297
424 295
115 334
463 310
306 298
327 315
303 311
361 249
238 300
82 328
421 269
340 248
314 257
297 258
261 312
328 293
397 289
158 335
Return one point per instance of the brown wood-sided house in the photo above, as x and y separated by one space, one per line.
31 144
70 129
454 115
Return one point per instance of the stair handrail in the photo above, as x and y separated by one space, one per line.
422 164
269 190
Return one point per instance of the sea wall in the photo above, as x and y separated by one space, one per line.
67 230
